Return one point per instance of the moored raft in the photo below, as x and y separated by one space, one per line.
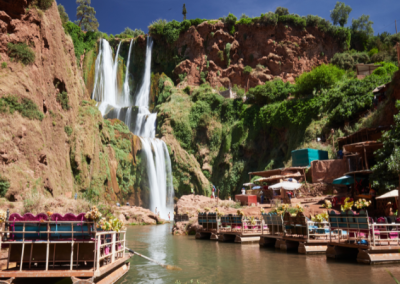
63 246
363 239
226 228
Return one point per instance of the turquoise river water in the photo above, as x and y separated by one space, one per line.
216 262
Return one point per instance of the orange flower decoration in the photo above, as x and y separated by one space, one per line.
49 213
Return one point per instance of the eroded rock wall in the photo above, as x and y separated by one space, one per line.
71 150
284 51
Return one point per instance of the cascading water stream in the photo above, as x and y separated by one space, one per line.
127 91
155 151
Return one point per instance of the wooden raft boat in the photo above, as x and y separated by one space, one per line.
59 246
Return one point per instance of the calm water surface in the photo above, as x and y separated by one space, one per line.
216 262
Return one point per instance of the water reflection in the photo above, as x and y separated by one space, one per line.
216 262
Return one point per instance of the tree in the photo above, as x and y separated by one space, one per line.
63 15
184 12
363 25
281 11
340 14
86 16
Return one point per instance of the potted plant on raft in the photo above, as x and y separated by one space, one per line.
319 218
362 204
327 204
348 204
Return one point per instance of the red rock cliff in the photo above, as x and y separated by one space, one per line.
280 51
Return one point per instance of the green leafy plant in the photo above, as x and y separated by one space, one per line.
247 70
182 77
21 52
321 77
68 130
63 99
4 186
82 41
228 53
221 55
347 204
4 65
45 4
26 107
270 92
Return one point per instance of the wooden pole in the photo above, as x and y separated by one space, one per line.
365 156
398 198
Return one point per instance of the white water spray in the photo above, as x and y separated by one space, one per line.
155 151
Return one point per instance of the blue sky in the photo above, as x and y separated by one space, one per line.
115 15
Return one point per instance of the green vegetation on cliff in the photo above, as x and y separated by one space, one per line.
21 52
82 41
26 107
4 186
230 138
103 158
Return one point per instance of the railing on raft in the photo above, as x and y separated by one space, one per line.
19 231
359 229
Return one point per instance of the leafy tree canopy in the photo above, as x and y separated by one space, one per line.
322 77
363 25
281 11
270 92
86 16
63 14
127 33
340 14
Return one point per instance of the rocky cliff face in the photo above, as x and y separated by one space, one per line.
67 147
214 55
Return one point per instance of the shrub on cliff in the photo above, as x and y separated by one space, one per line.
270 92
4 186
44 4
247 70
350 98
26 107
343 61
281 11
21 52
229 20
322 77
129 33
82 41
63 100
360 57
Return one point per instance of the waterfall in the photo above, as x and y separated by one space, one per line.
127 91
105 89
155 151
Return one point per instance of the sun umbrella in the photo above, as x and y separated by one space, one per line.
390 194
286 185
346 180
